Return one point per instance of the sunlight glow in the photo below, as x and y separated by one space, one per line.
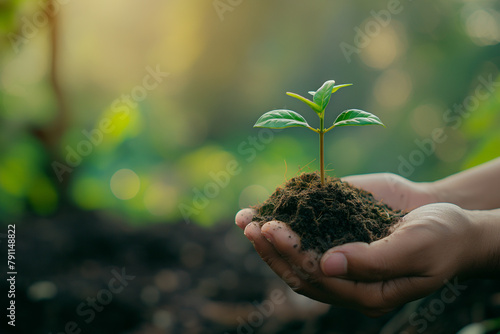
125 184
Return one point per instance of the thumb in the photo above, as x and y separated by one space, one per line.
397 255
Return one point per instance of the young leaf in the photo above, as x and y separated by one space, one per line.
356 117
280 119
336 88
323 94
310 103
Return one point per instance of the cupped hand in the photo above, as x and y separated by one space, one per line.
394 190
429 246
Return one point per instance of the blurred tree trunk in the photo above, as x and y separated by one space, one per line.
51 135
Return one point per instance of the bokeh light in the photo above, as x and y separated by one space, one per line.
425 118
393 88
125 184
161 199
483 26
221 76
385 48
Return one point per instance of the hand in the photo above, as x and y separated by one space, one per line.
430 245
394 190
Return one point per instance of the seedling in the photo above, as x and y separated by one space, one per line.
283 118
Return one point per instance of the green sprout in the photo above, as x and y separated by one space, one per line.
283 118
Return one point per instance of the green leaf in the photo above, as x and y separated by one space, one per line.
356 117
311 92
310 103
336 88
323 94
280 119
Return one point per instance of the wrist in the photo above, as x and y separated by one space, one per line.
448 191
486 249
430 193
440 192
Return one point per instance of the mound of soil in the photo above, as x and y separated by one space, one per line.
330 215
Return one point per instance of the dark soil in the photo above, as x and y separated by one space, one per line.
330 215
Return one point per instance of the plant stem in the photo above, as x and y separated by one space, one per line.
322 147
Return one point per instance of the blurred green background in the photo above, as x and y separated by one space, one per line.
166 154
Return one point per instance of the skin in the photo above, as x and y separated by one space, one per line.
453 230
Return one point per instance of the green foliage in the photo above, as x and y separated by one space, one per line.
356 117
310 103
323 94
282 118
174 141
481 131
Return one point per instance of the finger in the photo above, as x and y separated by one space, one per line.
381 185
398 255
392 189
288 272
374 298
365 181
267 252
244 217
373 183
287 243
377 298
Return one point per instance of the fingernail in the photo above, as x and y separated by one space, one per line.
248 235
335 264
268 237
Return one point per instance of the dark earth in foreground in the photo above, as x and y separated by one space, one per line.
188 279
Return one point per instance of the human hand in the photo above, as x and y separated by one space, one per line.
394 190
429 246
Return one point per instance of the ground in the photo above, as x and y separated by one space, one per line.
85 271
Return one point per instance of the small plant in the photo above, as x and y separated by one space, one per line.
283 118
